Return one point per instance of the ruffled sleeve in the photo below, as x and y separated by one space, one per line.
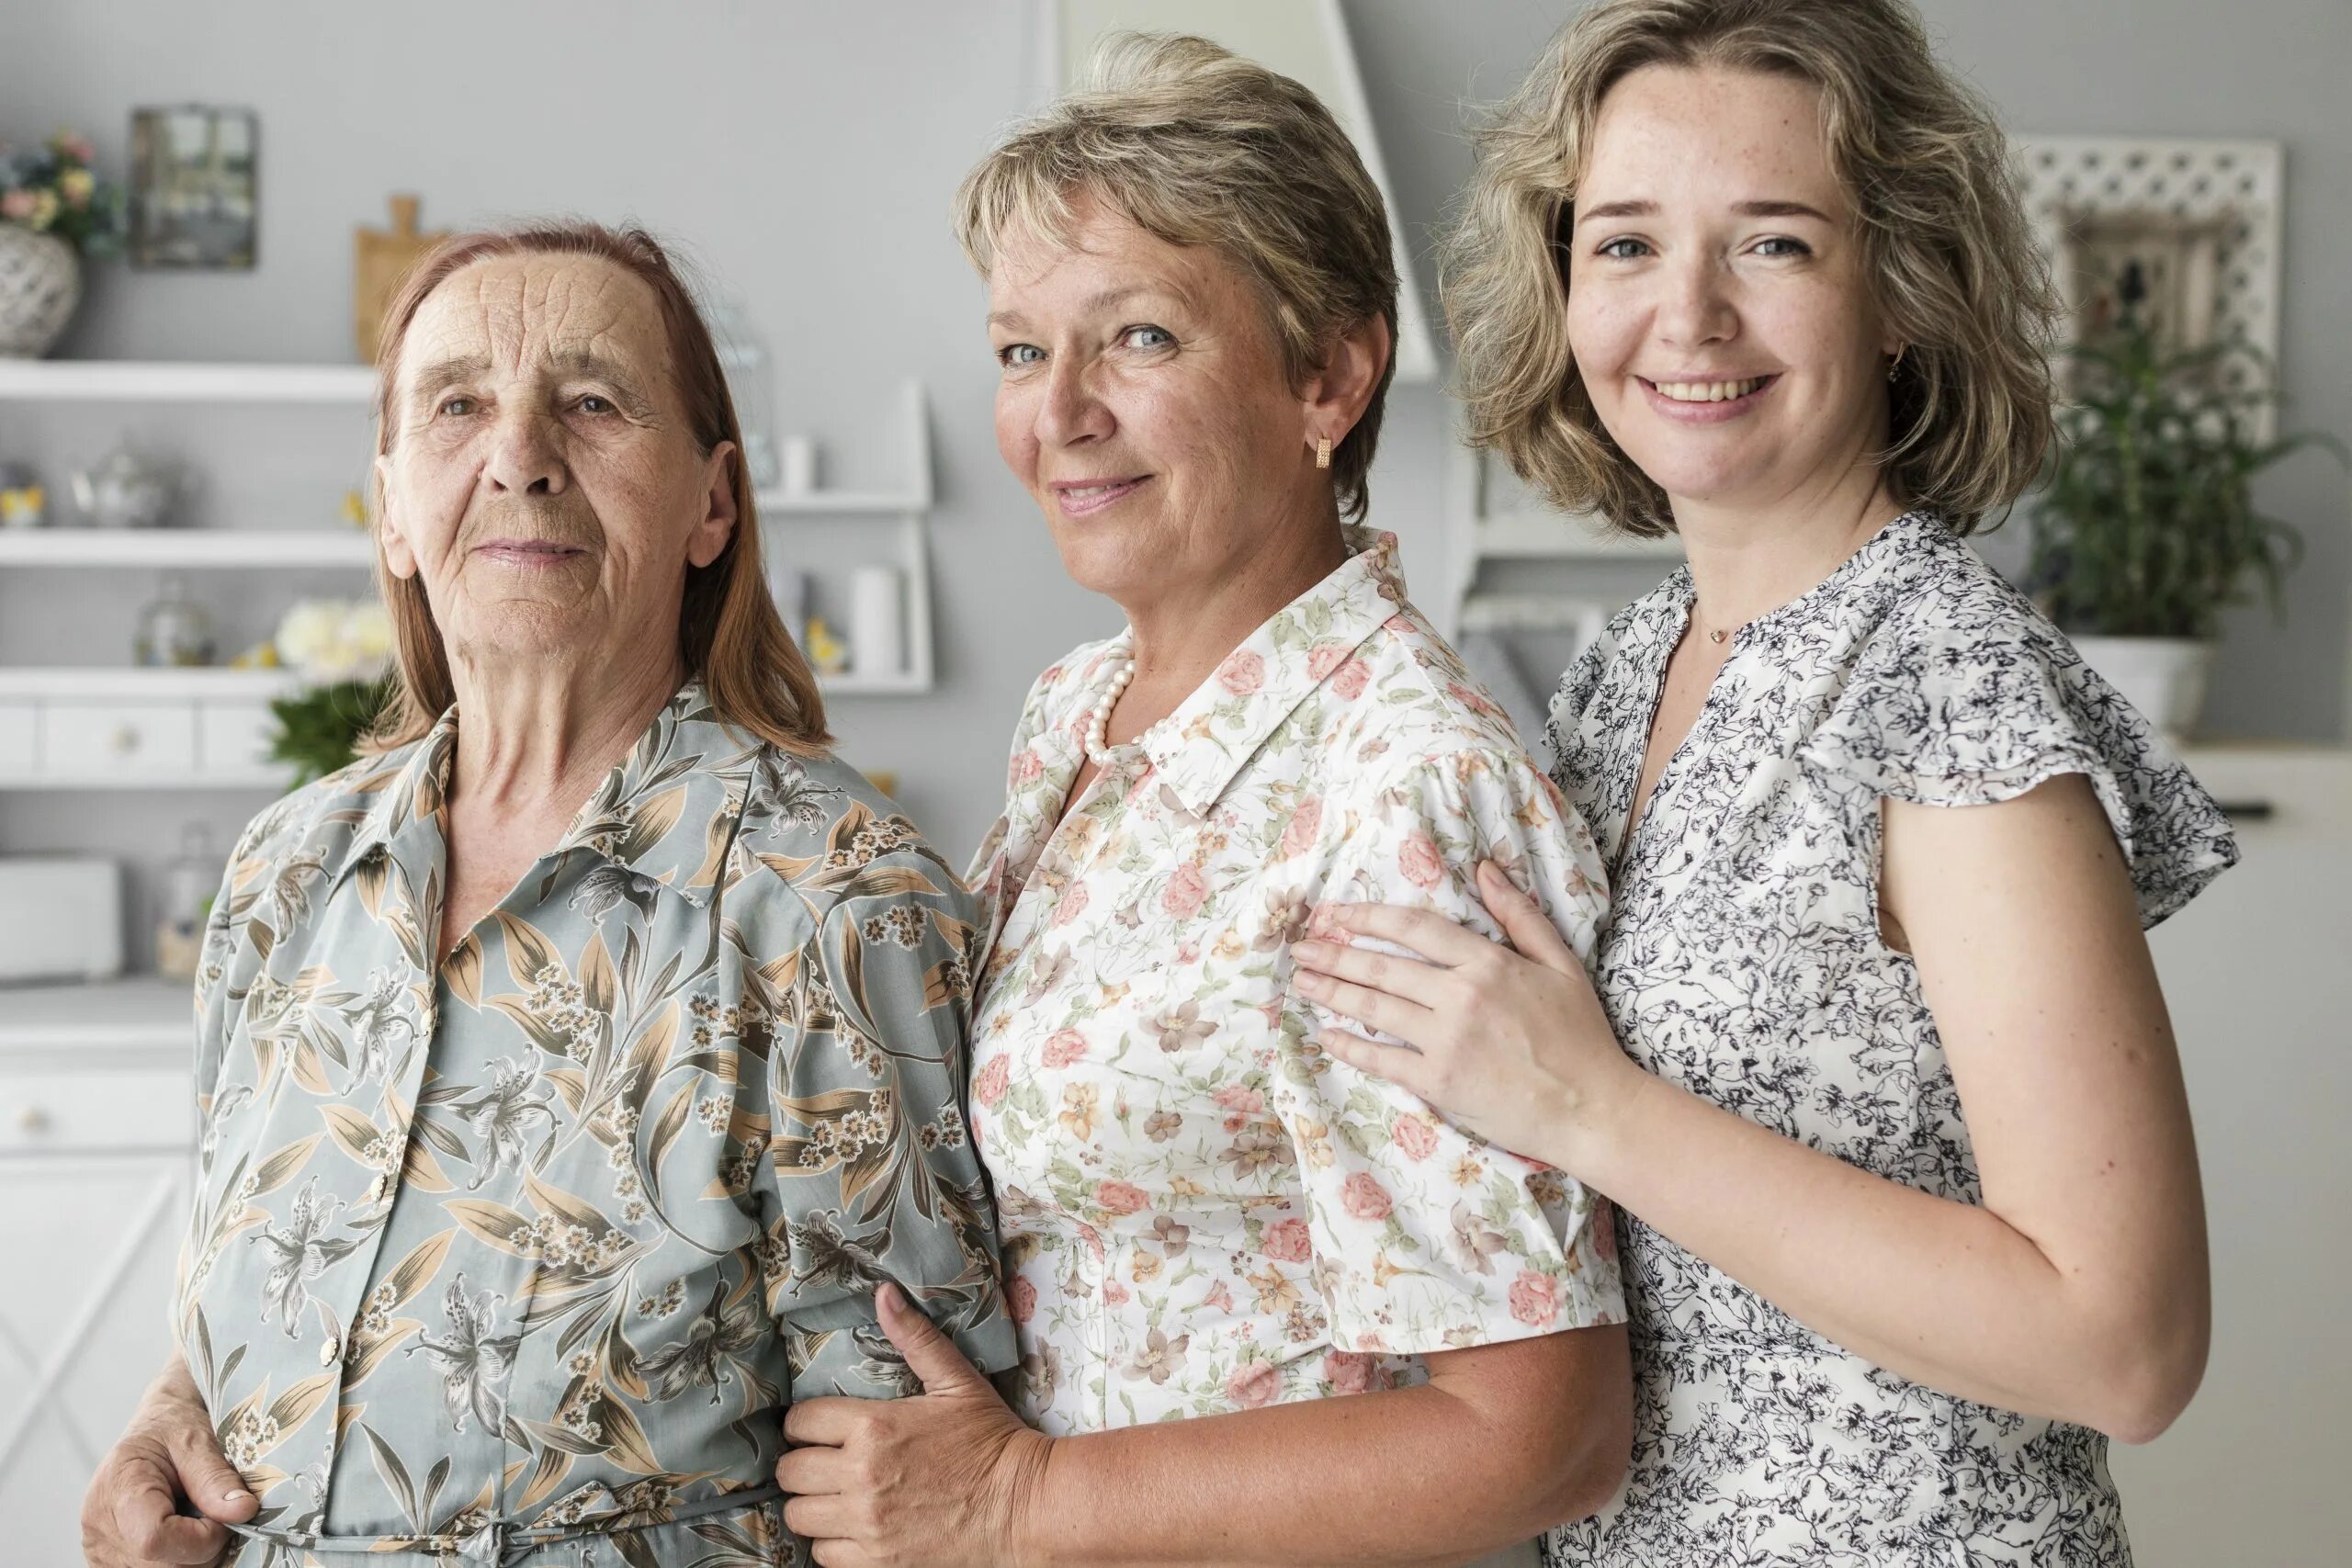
1976 703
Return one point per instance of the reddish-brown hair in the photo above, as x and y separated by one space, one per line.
730 634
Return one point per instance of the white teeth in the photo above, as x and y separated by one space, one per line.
1708 391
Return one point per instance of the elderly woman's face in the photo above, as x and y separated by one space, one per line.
1718 309
544 480
1143 404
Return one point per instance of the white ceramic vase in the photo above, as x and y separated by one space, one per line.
40 282
2164 677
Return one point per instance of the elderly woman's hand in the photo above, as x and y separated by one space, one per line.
131 1515
1512 1045
940 1479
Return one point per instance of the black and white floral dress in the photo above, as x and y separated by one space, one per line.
1743 960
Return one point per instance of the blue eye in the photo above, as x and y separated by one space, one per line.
1795 247
1623 249
1133 334
1014 354
458 406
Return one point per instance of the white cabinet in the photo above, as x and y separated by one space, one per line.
96 1152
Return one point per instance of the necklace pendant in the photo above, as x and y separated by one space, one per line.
1717 637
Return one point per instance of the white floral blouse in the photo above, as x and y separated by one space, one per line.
1202 1210
1742 960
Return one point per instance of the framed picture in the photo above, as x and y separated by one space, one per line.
2172 263
194 202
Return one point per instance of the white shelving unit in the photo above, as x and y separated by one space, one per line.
75 728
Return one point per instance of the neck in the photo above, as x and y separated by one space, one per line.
1749 561
1182 635
535 736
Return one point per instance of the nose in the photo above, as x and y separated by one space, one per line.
1071 412
1697 307
524 456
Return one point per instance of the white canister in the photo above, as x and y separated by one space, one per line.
877 621
797 465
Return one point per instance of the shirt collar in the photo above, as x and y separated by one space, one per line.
666 812
1197 750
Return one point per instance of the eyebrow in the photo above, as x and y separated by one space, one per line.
443 374
1103 301
1745 210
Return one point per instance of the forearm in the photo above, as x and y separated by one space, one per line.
1945 1293
1406 1476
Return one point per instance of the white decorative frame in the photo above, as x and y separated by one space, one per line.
2233 191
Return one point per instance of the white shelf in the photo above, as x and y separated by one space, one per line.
905 685
136 1011
1551 536
837 503
191 548
126 381
168 685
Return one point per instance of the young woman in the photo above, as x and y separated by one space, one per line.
1873 1056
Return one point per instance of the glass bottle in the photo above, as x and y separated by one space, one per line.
174 629
190 883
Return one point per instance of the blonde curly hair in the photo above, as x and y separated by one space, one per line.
1197 146
1949 256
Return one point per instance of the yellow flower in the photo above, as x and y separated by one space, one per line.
77 184
45 209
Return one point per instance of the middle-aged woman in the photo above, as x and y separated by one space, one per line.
575 1069
1910 1201
1212 1228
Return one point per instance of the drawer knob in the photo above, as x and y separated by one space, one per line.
126 738
33 1119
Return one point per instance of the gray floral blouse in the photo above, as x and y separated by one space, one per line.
519 1261
1742 960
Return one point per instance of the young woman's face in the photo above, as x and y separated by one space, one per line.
1718 311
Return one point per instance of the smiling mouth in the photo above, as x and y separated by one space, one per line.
1709 392
1078 500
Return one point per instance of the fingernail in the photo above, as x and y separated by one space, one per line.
886 1295
239 1496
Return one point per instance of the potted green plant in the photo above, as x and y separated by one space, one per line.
344 652
2147 527
53 211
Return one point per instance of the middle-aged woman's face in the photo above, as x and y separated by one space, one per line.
544 480
1718 310
1143 402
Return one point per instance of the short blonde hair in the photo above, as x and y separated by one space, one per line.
1946 247
730 634
1198 146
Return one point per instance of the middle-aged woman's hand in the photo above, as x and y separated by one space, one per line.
940 1479
1512 1045
131 1516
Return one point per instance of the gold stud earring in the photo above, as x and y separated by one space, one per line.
1322 451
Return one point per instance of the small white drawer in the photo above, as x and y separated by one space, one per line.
77 1112
233 738
19 727
118 739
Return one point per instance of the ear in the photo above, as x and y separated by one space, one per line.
1338 394
399 558
716 525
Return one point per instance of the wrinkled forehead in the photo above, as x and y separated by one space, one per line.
530 316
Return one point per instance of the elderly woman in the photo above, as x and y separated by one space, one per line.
1911 1203
574 1070
1214 1229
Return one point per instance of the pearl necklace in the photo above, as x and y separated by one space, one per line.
1098 722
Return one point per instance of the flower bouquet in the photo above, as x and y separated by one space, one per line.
343 650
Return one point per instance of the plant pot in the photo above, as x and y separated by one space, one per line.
40 282
2164 677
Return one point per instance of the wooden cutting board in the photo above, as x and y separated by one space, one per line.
380 260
